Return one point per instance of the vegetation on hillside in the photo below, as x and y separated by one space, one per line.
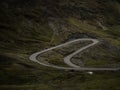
25 28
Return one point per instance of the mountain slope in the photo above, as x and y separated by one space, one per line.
28 26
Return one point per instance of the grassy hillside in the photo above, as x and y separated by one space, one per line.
27 26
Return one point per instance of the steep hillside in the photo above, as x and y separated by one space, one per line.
28 26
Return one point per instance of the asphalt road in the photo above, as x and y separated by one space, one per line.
67 59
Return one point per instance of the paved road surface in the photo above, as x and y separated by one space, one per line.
67 59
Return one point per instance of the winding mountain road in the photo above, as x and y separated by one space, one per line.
67 59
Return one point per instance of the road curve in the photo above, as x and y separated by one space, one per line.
67 59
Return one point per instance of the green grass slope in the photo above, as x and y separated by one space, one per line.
25 29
